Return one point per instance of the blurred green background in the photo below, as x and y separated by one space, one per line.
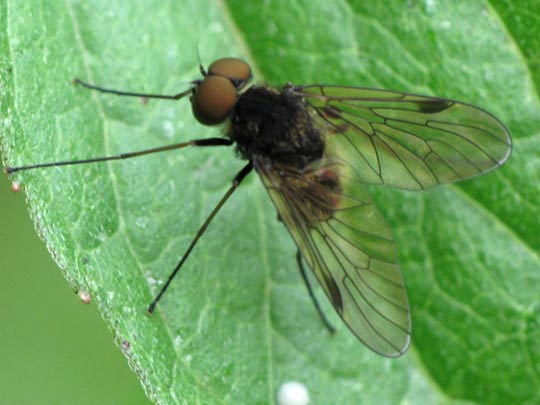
53 348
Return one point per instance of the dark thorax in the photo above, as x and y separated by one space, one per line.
275 126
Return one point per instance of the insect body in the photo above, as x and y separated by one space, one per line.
314 148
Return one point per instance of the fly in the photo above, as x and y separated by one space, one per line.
315 148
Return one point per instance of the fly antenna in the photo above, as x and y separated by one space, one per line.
201 67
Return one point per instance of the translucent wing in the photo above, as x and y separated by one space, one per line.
346 242
407 141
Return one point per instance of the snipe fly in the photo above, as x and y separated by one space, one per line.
315 148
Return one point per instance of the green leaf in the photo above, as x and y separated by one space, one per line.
237 321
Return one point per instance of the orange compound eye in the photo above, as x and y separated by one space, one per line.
231 68
213 100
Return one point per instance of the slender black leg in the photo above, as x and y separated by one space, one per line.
236 182
197 142
328 325
135 94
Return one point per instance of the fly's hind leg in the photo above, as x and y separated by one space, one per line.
324 320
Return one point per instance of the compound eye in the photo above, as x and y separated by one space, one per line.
231 68
213 100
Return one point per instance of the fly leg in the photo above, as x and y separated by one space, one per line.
325 321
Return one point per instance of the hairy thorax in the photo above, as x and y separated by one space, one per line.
275 125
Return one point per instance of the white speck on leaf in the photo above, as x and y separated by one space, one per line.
293 393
